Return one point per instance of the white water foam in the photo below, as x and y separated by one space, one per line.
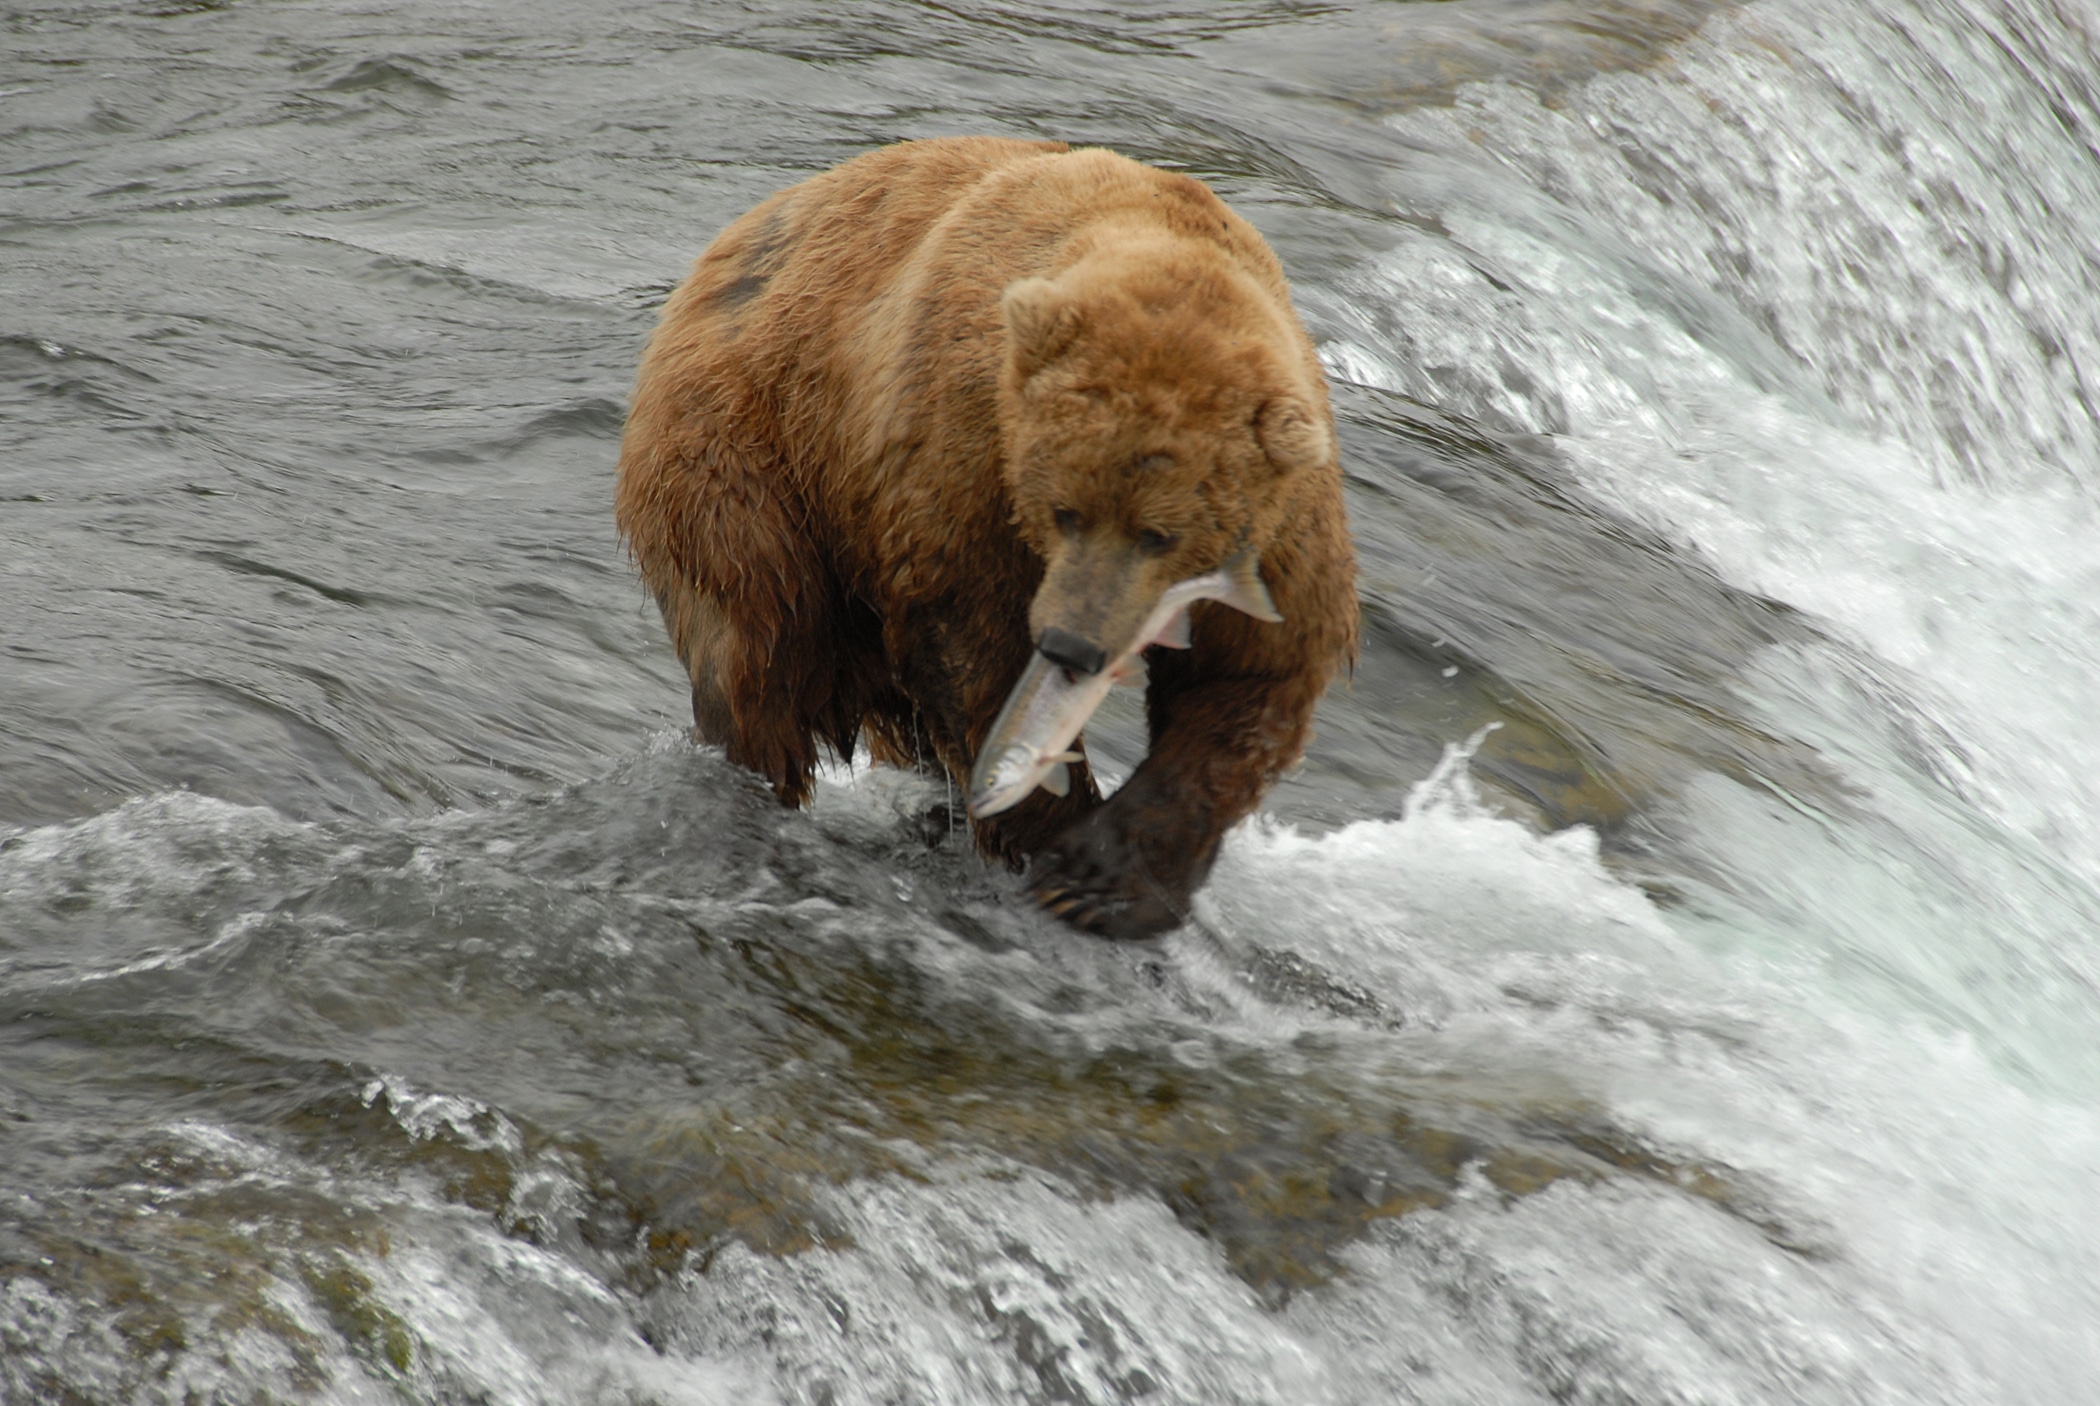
1804 326
1822 328
1934 1227
1000 1284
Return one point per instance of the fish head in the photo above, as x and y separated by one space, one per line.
1004 777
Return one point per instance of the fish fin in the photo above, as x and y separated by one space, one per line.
1175 633
1133 673
1058 780
1247 594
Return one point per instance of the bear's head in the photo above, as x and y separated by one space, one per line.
1159 407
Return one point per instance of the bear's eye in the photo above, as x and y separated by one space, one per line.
1154 543
1067 520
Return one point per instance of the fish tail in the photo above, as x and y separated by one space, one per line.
1246 592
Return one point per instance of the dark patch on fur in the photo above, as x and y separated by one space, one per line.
773 236
740 292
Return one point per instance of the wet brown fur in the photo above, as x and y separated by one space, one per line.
905 415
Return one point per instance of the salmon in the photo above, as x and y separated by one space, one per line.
1030 743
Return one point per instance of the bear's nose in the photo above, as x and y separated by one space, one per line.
1076 652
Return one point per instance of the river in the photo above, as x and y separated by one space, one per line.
1673 977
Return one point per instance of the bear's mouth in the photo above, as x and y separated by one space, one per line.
1055 697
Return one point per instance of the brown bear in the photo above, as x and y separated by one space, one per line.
954 400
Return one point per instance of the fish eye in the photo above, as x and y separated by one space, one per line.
1067 520
1154 543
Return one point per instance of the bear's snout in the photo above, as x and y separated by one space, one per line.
1095 595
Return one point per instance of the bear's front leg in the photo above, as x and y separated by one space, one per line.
1131 867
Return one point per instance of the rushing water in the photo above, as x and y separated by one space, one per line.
1673 977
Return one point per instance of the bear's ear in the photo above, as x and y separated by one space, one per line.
1291 435
1041 323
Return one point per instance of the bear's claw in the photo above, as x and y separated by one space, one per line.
1087 912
